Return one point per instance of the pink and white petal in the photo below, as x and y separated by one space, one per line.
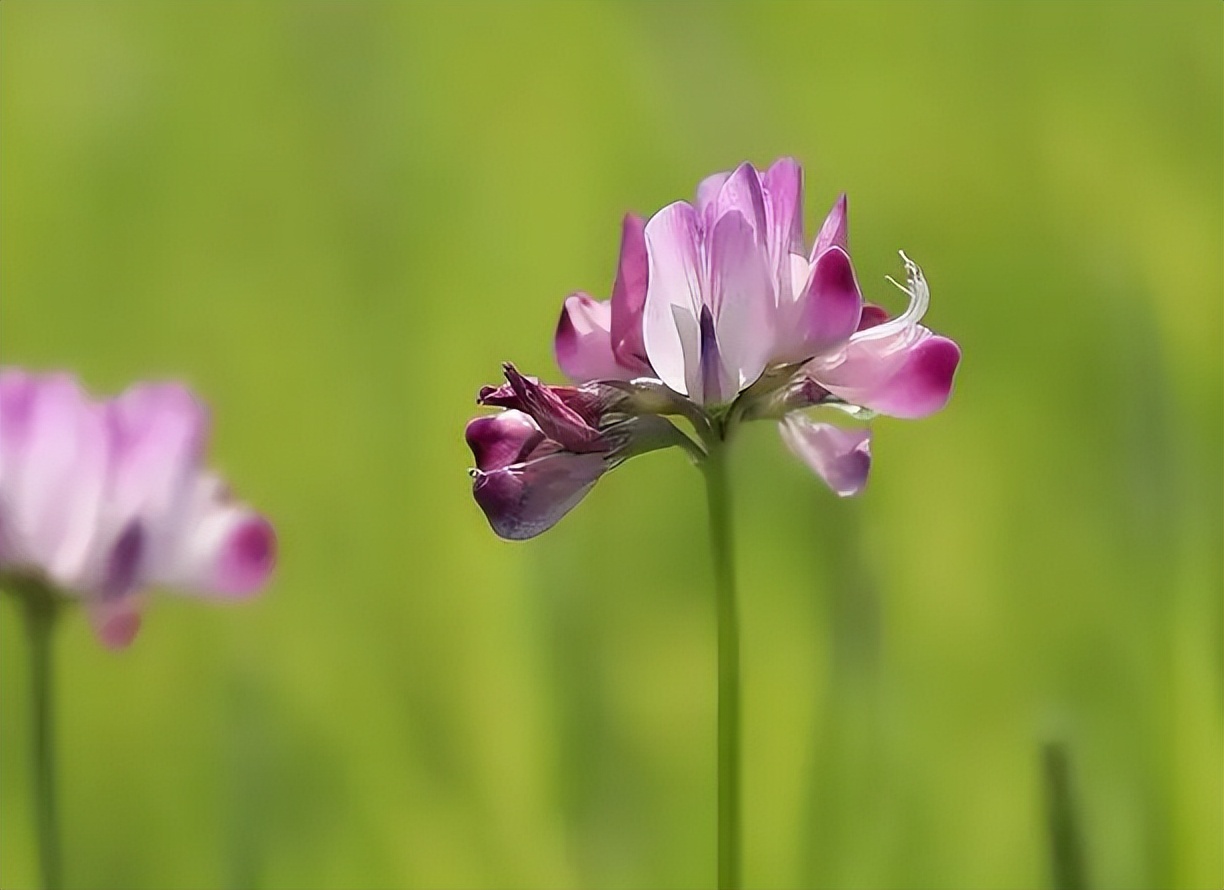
159 432
247 555
783 186
833 232
707 196
58 479
629 298
17 393
223 549
84 503
909 375
162 432
527 499
115 622
742 194
830 305
742 298
583 343
840 457
499 440
674 291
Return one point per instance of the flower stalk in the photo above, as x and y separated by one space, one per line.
720 314
718 496
41 609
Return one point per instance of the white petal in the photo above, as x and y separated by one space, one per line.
674 292
743 300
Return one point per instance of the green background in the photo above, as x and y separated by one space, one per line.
336 221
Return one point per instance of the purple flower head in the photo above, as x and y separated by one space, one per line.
541 455
720 314
101 500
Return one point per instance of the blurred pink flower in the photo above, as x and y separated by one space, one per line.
101 500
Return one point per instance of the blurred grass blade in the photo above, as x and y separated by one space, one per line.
1066 841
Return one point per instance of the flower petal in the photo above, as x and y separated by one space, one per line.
558 421
872 316
907 375
840 457
583 342
18 391
55 478
498 440
707 196
674 292
783 187
223 548
742 298
162 432
833 231
159 433
246 557
523 500
629 298
115 622
829 308
742 194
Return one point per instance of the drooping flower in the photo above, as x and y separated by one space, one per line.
101 500
540 456
720 314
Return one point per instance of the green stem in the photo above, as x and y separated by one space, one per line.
718 496
41 609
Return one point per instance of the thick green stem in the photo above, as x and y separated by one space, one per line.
718 495
41 609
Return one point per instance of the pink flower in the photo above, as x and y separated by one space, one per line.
732 291
104 499
721 314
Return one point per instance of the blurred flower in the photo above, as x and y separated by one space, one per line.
719 314
100 500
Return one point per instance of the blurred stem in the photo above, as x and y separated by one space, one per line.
41 608
718 496
1066 852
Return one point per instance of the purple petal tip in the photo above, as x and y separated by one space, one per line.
247 558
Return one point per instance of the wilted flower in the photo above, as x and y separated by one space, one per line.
100 500
536 460
721 314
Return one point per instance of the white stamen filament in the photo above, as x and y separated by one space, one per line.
907 321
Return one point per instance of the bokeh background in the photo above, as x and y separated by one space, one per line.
336 220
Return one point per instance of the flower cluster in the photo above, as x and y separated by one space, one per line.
100 500
719 314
